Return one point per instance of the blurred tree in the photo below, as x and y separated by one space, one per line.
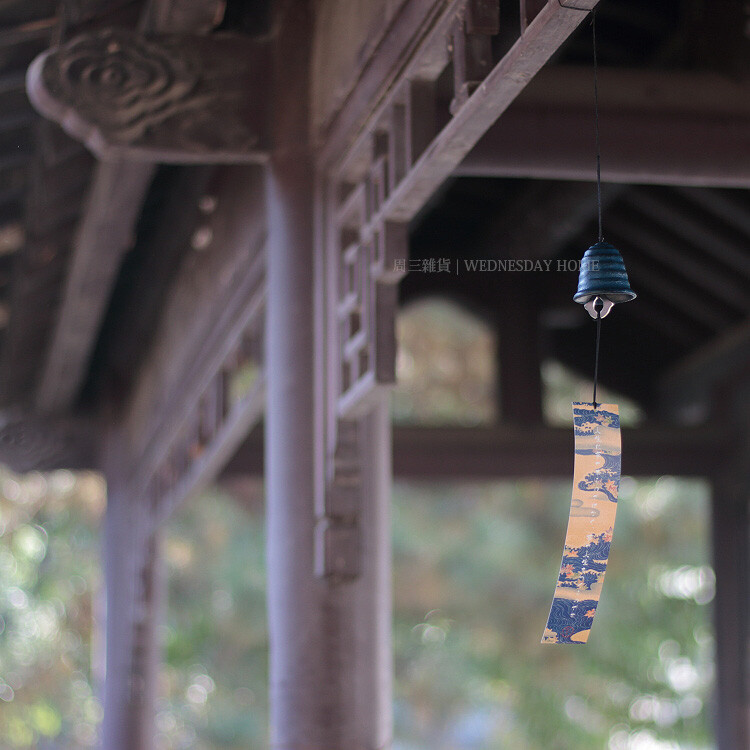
49 576
474 572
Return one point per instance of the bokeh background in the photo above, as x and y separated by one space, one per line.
474 571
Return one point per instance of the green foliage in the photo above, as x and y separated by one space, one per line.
474 572
436 386
49 576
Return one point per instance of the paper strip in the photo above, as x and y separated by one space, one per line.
596 481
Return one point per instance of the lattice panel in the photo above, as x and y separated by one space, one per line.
229 389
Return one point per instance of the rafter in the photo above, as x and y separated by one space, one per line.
90 279
663 286
687 390
656 127
551 27
682 222
697 267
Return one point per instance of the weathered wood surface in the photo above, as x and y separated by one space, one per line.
33 443
103 237
328 562
132 559
670 128
57 178
185 199
381 175
207 348
64 366
166 98
348 35
451 143
508 452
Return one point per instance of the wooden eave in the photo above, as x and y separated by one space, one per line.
685 242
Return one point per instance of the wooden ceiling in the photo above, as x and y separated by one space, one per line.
686 247
675 135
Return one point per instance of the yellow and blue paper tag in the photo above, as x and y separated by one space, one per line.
596 481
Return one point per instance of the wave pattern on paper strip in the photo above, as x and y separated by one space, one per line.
596 481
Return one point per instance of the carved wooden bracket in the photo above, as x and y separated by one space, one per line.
178 99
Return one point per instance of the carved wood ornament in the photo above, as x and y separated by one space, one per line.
176 99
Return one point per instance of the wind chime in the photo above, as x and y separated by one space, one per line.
602 283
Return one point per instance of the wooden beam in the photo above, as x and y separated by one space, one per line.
680 219
543 37
103 237
134 591
329 577
508 452
196 395
667 127
664 287
687 390
33 31
149 272
732 210
131 542
651 312
544 217
418 63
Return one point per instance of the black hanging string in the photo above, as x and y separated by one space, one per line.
598 306
596 127
596 115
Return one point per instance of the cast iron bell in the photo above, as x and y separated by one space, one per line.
603 275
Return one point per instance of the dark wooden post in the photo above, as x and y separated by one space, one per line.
297 601
730 530
330 663
134 591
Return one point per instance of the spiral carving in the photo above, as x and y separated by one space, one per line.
169 98
122 81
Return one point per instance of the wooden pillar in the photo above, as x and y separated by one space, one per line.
730 529
134 595
297 601
330 656
374 589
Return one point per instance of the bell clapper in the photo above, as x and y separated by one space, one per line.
597 306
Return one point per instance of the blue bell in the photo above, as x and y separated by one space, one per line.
603 275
